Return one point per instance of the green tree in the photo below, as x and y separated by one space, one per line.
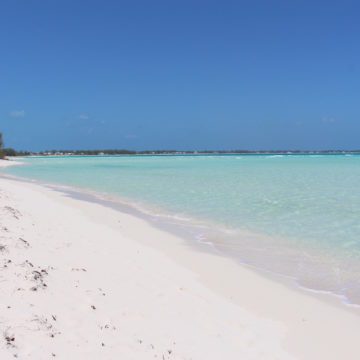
1 146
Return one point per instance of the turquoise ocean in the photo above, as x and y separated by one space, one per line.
293 215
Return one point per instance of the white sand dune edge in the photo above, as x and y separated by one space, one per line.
83 281
10 162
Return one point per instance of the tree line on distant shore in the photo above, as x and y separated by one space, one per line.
11 152
4 152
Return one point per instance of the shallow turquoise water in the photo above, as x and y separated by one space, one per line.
294 215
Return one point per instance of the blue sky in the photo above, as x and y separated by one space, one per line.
180 74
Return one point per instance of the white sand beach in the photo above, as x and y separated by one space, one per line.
83 281
6 163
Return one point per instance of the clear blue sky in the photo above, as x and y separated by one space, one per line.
180 74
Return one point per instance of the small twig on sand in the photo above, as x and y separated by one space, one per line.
26 243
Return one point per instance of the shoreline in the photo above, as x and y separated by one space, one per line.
9 162
185 290
184 231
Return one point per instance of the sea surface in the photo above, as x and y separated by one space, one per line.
293 215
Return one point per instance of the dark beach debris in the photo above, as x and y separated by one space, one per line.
9 338
53 332
39 286
107 326
93 307
102 344
44 324
101 290
78 269
2 248
6 262
165 354
26 243
38 276
15 213
54 317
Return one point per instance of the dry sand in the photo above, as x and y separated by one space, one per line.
83 281
9 162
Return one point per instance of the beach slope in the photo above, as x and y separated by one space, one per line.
83 281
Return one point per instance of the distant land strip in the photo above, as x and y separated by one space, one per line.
13 152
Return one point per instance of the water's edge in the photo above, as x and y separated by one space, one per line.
188 232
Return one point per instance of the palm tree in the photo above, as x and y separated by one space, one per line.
1 146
